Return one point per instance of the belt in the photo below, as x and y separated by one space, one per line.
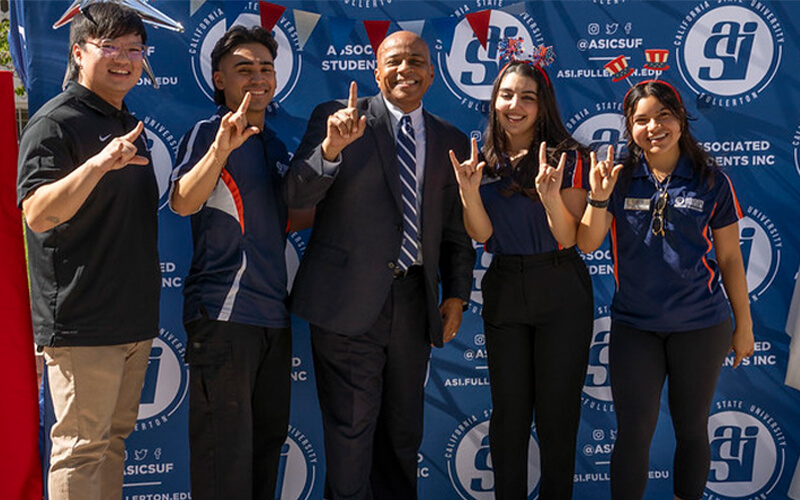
554 258
411 271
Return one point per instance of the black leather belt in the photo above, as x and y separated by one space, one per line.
411 271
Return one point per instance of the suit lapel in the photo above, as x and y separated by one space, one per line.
379 122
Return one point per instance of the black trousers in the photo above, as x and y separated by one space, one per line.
639 363
371 393
538 317
239 385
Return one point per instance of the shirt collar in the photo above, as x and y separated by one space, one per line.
94 101
396 114
682 169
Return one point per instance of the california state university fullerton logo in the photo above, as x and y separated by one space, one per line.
163 146
298 475
469 461
210 28
748 452
761 245
729 54
597 385
166 382
599 126
796 149
469 69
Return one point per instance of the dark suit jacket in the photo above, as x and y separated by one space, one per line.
347 269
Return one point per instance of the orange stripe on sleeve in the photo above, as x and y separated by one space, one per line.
613 233
237 197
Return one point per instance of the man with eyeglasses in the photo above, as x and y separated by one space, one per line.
88 191
228 178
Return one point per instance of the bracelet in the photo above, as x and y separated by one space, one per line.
597 203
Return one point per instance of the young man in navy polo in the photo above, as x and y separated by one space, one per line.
239 343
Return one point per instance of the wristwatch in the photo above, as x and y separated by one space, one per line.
597 203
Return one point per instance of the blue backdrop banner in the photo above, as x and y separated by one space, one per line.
736 62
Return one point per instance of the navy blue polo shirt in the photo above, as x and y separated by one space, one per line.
669 282
238 270
519 223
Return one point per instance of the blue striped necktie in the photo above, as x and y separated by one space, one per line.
407 160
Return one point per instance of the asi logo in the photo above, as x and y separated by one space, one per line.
163 146
297 470
729 54
469 461
213 26
599 128
469 70
761 245
747 452
482 265
165 383
597 387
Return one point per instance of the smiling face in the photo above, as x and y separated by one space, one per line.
657 131
111 78
517 107
404 70
247 68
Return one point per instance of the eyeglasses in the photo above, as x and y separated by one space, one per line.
658 213
112 50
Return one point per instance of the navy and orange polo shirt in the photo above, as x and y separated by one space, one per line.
519 223
238 270
669 282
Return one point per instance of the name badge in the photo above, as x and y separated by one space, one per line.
690 203
637 203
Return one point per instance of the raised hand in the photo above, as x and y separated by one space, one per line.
469 172
549 179
233 128
603 175
344 127
121 151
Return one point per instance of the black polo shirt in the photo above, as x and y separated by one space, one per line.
95 279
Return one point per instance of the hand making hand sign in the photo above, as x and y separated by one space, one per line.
469 172
548 180
603 175
233 128
344 127
121 151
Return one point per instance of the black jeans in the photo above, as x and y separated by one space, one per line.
239 387
639 363
538 317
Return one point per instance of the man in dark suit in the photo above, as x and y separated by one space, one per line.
388 230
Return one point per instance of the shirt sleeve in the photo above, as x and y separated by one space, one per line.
193 146
44 156
726 206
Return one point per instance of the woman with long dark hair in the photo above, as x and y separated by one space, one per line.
537 293
668 206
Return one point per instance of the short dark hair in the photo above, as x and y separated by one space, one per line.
239 35
102 20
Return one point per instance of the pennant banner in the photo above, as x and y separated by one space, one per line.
270 14
479 22
376 32
304 22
